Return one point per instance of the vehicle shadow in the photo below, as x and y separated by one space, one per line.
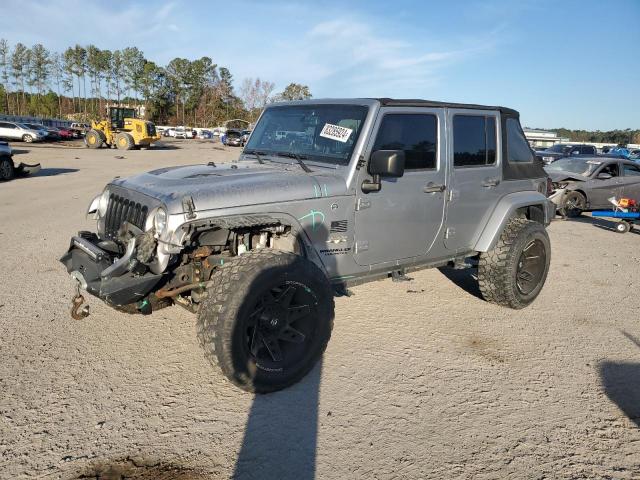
19 151
281 433
49 172
621 383
466 279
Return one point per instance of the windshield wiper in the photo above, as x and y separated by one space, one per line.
256 154
298 158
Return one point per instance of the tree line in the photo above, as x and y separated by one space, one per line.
620 137
82 81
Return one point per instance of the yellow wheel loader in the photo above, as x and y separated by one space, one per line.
122 130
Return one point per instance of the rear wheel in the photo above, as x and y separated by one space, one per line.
6 169
513 273
93 139
124 141
267 319
574 204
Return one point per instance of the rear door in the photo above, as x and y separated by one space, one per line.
631 181
475 180
8 130
404 218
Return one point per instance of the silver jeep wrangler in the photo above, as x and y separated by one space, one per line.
326 194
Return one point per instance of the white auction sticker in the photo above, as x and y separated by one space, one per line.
336 132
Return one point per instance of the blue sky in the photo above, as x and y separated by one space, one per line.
574 64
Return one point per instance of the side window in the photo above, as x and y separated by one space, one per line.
611 169
4 125
416 134
474 141
631 170
518 150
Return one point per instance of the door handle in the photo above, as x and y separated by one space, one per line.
434 188
490 182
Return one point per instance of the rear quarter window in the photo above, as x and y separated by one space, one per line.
518 150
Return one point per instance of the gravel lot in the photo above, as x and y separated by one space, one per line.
421 379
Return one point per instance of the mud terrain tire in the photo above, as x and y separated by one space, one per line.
514 271
260 297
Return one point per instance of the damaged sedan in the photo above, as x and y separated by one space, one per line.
584 184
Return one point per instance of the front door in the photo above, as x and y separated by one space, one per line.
403 219
601 190
475 178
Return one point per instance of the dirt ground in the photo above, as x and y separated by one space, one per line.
421 379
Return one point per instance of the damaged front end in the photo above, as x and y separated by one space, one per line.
122 263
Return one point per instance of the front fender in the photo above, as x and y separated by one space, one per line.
507 208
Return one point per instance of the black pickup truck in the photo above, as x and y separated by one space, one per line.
552 154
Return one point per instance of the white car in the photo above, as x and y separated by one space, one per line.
181 132
18 131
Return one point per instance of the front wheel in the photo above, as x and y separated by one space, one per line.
267 319
6 169
513 273
573 205
27 138
93 139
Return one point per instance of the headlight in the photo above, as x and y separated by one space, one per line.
98 206
103 203
160 220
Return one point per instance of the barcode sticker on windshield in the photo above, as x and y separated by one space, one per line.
336 132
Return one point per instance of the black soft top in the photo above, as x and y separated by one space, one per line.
403 102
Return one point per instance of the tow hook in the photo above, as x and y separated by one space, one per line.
78 313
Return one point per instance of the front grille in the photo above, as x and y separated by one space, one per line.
120 210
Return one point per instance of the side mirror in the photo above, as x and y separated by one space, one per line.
604 176
383 163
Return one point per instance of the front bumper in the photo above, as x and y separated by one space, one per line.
104 275
557 197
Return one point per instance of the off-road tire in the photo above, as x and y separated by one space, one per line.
575 198
226 311
27 138
498 268
6 169
94 139
124 141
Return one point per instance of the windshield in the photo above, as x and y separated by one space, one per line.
324 133
574 165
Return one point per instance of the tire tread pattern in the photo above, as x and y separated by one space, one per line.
215 327
495 267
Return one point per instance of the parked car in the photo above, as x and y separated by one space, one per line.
49 132
8 169
205 134
181 132
65 133
257 248
245 136
560 150
169 132
80 129
18 131
234 138
582 184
